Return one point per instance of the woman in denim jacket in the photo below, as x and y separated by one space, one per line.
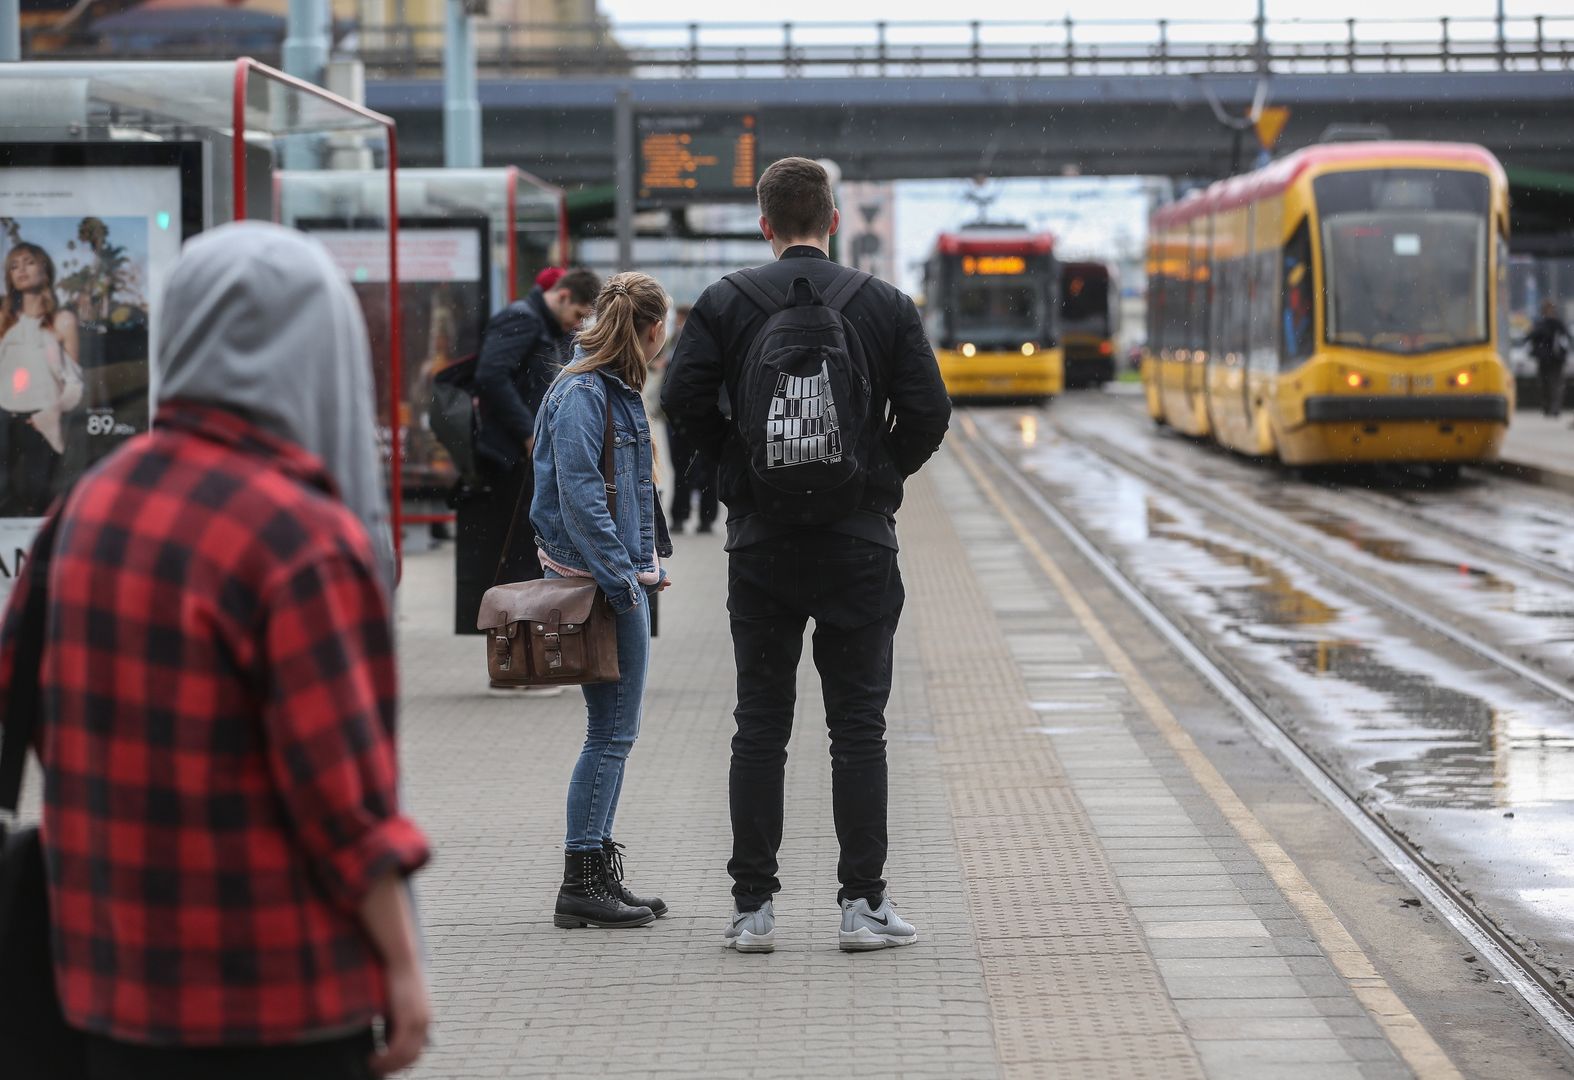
578 536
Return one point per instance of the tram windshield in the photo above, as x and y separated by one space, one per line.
998 310
1405 259
1084 304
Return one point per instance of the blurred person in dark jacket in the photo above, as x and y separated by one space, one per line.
1549 346
693 474
522 350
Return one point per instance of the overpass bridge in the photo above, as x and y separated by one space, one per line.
949 97
918 127
930 99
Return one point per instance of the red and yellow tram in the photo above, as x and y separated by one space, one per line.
992 312
1342 305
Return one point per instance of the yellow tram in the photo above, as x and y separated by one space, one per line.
1342 305
992 312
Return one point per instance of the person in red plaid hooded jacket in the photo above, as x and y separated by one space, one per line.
221 825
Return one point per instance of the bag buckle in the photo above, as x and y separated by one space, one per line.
552 640
501 652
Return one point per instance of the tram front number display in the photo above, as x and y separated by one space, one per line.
993 265
702 156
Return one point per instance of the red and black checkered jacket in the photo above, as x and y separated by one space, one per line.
221 788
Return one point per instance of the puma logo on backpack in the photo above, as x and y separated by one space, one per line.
802 408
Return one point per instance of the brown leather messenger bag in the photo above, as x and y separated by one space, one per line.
556 631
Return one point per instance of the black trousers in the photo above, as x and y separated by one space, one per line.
481 526
28 466
691 473
344 1058
1550 374
852 589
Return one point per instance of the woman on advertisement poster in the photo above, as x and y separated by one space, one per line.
40 380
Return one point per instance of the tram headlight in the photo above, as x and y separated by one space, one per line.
1462 379
1028 348
969 350
1355 380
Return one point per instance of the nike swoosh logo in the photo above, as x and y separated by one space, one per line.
875 918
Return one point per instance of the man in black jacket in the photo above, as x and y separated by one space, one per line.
843 575
521 351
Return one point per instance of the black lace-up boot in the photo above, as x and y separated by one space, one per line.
613 852
586 900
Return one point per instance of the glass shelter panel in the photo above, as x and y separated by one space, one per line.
105 169
470 242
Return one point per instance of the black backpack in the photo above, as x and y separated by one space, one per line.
803 401
453 416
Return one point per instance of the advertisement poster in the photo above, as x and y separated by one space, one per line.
88 234
444 305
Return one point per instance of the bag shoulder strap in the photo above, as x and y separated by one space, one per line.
23 699
765 295
608 478
844 286
608 470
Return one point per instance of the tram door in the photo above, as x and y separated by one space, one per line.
1249 313
1202 307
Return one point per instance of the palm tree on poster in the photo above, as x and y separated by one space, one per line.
102 273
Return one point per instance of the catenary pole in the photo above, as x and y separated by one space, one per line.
1262 35
623 162
10 30
461 107
306 40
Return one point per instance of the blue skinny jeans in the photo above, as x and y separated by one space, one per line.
612 725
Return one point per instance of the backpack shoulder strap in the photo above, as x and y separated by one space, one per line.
844 286
764 295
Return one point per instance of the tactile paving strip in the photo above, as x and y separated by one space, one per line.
1072 988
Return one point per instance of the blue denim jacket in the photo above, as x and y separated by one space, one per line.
570 511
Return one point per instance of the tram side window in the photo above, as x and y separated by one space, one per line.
1197 296
1155 321
1299 299
1176 312
1232 309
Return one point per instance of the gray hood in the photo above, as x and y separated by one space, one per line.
257 319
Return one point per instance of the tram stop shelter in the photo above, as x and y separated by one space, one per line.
471 242
106 168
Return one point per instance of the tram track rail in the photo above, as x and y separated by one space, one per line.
1252 524
1410 513
1517 970
1397 506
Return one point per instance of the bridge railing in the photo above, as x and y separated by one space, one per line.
947 48
958 48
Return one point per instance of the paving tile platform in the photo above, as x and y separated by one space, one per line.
1541 448
1087 908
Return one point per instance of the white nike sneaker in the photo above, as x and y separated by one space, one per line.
752 931
865 929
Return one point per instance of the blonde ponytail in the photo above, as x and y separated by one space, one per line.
629 304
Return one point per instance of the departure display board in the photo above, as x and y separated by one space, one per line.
697 157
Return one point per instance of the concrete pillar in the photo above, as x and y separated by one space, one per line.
461 106
306 42
623 153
